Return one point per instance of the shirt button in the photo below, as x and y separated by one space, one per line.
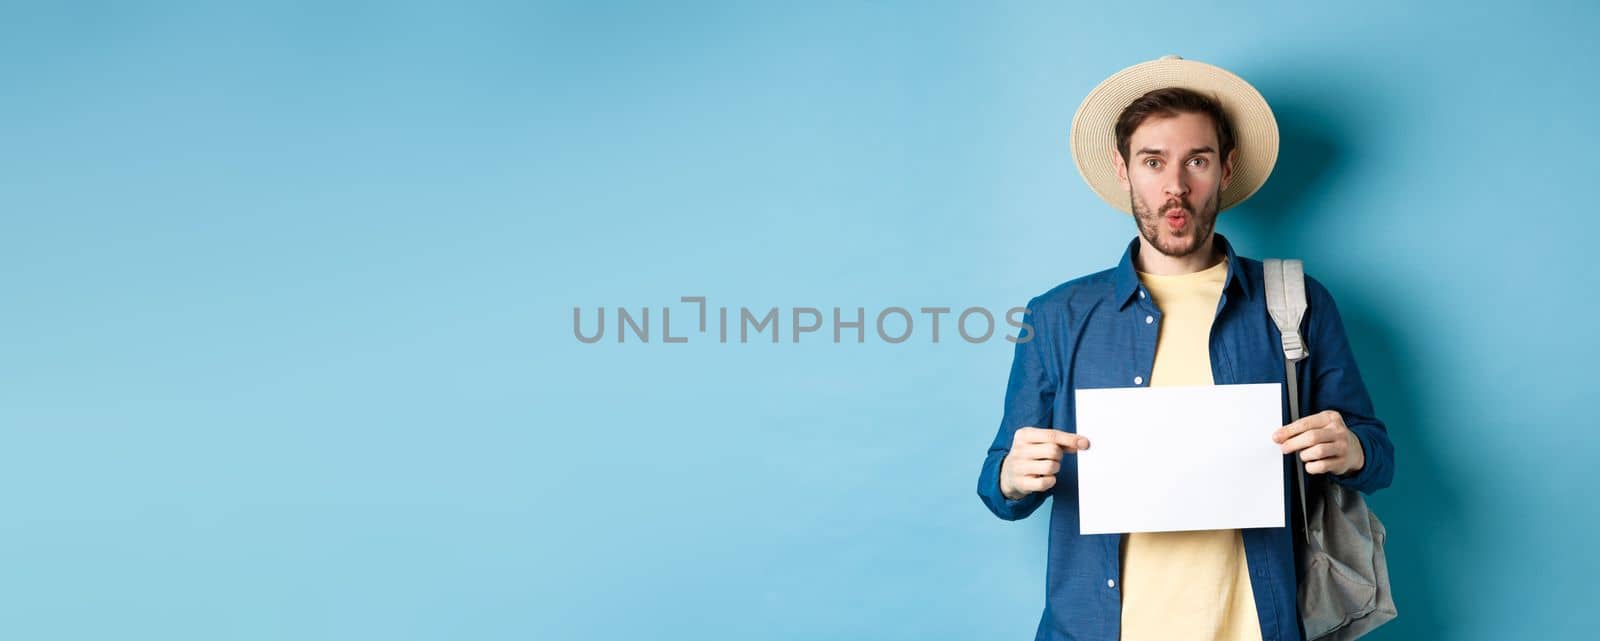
1149 319
1138 380
1141 293
1111 583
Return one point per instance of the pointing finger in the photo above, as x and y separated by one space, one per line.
1072 442
1033 435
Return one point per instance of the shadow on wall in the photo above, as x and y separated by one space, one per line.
1316 136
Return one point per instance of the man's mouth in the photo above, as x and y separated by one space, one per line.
1177 218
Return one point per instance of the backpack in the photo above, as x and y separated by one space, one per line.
1344 575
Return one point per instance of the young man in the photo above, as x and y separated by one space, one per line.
1174 142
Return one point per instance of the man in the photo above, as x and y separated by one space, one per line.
1174 142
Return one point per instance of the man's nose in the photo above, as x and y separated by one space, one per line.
1177 187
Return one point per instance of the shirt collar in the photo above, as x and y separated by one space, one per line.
1126 278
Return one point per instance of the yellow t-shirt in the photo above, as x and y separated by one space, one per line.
1178 586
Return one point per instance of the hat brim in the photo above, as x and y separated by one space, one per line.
1255 129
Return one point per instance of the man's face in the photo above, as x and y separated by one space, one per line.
1175 180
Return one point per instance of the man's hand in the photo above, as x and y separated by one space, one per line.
1324 443
1034 459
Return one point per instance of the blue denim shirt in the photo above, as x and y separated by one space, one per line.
1092 332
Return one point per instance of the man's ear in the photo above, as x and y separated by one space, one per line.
1227 167
1122 168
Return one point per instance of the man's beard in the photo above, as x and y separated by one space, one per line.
1201 222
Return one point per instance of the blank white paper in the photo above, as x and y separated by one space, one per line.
1164 459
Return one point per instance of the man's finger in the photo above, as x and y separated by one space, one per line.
1305 424
1290 431
1034 435
1305 440
1036 483
1317 452
1072 442
1040 452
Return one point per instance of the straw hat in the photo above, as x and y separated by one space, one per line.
1255 131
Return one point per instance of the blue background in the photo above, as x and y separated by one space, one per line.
288 291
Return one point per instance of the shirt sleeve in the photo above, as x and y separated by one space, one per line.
1030 396
1331 381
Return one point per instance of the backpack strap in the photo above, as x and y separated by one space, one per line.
1286 302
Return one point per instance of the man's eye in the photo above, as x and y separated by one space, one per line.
1198 162
1151 163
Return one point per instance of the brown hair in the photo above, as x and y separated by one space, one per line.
1169 102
